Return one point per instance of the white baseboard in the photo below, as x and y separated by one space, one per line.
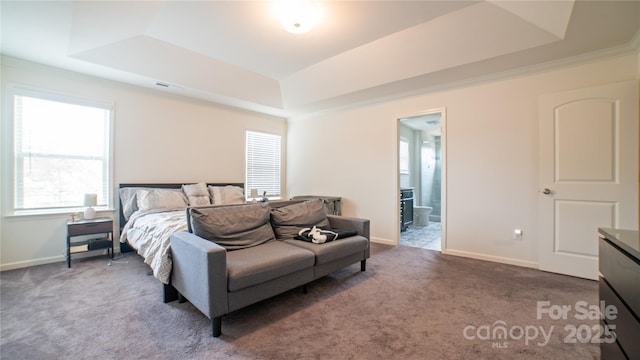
383 241
32 262
471 255
497 259
53 259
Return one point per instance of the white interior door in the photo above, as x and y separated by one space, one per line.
588 173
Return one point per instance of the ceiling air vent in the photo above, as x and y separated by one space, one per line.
165 84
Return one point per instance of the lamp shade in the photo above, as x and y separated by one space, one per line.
90 199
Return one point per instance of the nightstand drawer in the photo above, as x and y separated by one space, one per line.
90 228
100 228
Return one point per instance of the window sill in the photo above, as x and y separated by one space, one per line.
26 214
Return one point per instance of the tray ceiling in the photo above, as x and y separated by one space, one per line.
236 53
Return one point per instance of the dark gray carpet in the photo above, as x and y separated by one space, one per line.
411 303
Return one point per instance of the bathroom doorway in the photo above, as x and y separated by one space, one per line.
421 141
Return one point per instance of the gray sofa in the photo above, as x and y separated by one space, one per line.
234 256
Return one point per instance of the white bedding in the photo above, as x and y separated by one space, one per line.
149 232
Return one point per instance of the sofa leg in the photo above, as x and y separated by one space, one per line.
216 323
305 289
363 265
170 293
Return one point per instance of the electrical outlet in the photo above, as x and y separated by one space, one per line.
517 234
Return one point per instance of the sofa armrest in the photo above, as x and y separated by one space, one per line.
200 272
350 223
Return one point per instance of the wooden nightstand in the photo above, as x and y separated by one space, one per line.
96 226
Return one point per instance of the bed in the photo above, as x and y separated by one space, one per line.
150 213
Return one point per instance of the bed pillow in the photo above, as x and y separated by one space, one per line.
160 199
197 194
128 201
233 227
224 195
288 220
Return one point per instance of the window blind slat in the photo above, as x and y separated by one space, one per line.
404 157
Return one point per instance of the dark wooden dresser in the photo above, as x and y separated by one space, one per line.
619 260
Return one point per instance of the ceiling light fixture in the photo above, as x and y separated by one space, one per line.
298 16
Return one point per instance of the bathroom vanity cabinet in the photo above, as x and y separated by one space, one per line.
406 208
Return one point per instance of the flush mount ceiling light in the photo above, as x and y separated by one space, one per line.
298 16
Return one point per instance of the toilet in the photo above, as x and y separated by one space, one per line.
421 215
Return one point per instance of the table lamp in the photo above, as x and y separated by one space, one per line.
89 201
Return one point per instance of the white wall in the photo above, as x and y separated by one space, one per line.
491 154
158 137
491 158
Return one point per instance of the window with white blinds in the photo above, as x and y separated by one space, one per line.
61 152
404 156
263 164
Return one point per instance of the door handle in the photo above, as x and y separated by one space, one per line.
546 191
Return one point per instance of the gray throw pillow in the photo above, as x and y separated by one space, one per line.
233 226
288 220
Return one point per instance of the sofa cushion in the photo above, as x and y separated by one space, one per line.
288 220
234 226
333 250
255 265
